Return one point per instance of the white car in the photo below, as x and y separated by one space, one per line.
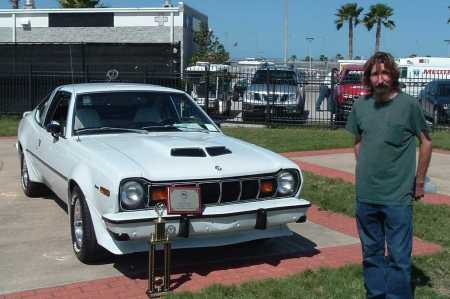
113 151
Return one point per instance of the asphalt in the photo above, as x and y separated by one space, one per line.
35 247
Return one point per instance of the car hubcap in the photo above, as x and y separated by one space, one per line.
24 174
78 224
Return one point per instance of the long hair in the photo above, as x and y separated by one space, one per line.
389 65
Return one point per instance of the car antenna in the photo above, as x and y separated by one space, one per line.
73 88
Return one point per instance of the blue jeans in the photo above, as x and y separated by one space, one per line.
324 92
386 277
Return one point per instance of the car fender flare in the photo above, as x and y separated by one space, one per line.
83 178
32 172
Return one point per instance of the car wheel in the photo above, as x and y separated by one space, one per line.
84 242
31 189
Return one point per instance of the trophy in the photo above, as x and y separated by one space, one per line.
159 285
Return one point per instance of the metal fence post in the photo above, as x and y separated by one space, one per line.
267 114
30 87
207 90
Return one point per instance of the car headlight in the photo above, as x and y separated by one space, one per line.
132 195
286 183
292 97
250 96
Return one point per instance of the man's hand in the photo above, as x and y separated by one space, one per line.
419 192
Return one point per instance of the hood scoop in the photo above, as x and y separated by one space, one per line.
188 152
217 151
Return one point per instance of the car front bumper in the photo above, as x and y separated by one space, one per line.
215 221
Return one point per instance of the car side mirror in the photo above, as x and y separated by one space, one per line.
218 123
55 129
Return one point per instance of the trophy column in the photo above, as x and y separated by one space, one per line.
159 285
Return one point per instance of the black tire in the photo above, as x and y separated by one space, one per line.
84 242
30 188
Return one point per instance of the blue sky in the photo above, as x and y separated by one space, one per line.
257 26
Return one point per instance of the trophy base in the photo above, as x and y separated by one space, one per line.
156 294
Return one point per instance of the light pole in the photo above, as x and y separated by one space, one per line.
285 31
448 45
309 40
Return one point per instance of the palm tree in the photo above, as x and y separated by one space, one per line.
14 4
379 14
348 12
80 3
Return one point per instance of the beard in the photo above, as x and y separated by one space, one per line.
381 91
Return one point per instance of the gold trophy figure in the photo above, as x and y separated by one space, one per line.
157 285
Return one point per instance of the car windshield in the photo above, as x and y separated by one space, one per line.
352 77
137 112
275 77
444 90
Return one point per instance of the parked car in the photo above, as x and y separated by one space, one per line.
113 151
349 89
276 93
212 81
435 101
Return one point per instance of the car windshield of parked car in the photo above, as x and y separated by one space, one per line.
352 77
275 77
137 111
444 90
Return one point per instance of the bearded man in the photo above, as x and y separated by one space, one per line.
386 124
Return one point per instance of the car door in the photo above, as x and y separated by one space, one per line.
54 149
33 135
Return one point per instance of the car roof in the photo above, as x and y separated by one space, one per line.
105 87
353 67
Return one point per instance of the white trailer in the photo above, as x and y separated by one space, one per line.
416 72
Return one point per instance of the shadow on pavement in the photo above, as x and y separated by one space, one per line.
203 261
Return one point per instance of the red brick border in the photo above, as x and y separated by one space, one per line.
196 279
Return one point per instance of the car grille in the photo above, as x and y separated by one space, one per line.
230 190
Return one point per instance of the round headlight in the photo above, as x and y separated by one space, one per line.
286 183
132 195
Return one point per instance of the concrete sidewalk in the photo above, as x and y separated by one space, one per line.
340 163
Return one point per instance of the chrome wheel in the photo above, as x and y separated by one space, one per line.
77 224
24 174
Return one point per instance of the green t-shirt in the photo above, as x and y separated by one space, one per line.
386 166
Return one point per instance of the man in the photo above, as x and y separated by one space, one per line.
386 124
325 90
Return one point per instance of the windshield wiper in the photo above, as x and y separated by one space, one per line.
110 129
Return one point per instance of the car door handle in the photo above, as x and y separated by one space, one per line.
39 142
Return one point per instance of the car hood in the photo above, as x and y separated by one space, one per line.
273 88
152 156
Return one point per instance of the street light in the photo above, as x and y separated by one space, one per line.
309 39
448 45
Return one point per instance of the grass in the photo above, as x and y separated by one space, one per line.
431 274
8 125
301 139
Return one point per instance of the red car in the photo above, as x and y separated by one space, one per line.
349 89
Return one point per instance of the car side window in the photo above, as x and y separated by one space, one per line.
59 109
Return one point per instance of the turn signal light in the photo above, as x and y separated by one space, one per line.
159 194
266 187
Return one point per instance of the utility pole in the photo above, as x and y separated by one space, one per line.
309 41
285 31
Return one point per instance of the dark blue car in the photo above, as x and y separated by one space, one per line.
435 101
